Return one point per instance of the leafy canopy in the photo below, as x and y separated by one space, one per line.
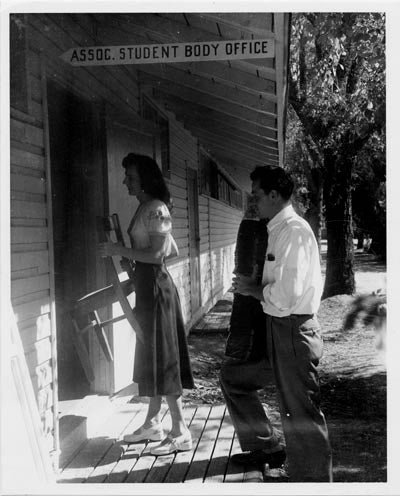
338 74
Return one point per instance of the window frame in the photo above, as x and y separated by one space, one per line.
161 121
215 183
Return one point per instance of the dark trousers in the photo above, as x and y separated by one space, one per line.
240 381
247 339
294 347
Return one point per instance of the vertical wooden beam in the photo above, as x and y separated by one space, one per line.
281 25
5 286
56 441
209 248
25 443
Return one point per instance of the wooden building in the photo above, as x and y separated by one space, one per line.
208 122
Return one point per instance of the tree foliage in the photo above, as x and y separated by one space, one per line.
337 90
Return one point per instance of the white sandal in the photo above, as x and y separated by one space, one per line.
153 433
173 444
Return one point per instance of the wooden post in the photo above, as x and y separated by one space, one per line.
27 460
49 206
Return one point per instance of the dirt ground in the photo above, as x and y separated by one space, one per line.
352 375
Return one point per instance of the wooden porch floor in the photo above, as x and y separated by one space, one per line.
105 458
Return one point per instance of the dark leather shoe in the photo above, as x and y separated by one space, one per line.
259 457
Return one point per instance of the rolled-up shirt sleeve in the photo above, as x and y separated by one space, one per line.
159 223
159 220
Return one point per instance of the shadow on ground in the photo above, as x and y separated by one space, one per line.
367 262
355 410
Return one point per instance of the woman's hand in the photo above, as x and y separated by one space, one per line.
108 249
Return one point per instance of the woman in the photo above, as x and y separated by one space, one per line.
162 366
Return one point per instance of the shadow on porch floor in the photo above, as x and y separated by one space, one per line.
105 458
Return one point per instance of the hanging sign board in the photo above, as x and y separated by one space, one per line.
170 52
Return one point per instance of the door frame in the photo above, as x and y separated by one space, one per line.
55 453
116 123
194 248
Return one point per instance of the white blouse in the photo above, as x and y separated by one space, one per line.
152 217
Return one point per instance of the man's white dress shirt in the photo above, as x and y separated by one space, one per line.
292 280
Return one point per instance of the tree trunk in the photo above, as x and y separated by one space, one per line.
338 215
378 245
314 213
314 217
360 239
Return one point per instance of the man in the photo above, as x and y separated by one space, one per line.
246 368
290 295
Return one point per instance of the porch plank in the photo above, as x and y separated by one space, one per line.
160 469
142 466
94 450
106 465
163 464
120 423
234 472
183 459
88 457
107 459
131 452
126 462
203 453
220 457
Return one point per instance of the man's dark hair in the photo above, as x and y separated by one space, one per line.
274 178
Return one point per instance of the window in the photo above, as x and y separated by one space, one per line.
236 198
209 176
215 184
150 112
18 63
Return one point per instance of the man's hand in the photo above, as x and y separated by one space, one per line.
246 286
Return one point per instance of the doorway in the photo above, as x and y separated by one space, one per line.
125 133
77 198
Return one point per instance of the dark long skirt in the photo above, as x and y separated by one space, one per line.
162 365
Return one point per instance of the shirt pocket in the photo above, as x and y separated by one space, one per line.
268 273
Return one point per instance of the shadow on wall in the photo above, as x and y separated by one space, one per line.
223 261
205 277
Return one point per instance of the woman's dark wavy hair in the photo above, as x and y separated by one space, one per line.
151 179
274 177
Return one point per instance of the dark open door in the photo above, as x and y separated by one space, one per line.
194 240
126 133
77 198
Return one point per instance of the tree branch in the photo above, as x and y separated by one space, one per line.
311 18
352 79
302 65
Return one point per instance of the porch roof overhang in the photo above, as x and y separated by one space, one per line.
236 108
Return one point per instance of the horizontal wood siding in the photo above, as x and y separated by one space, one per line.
205 252
30 273
183 154
224 224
